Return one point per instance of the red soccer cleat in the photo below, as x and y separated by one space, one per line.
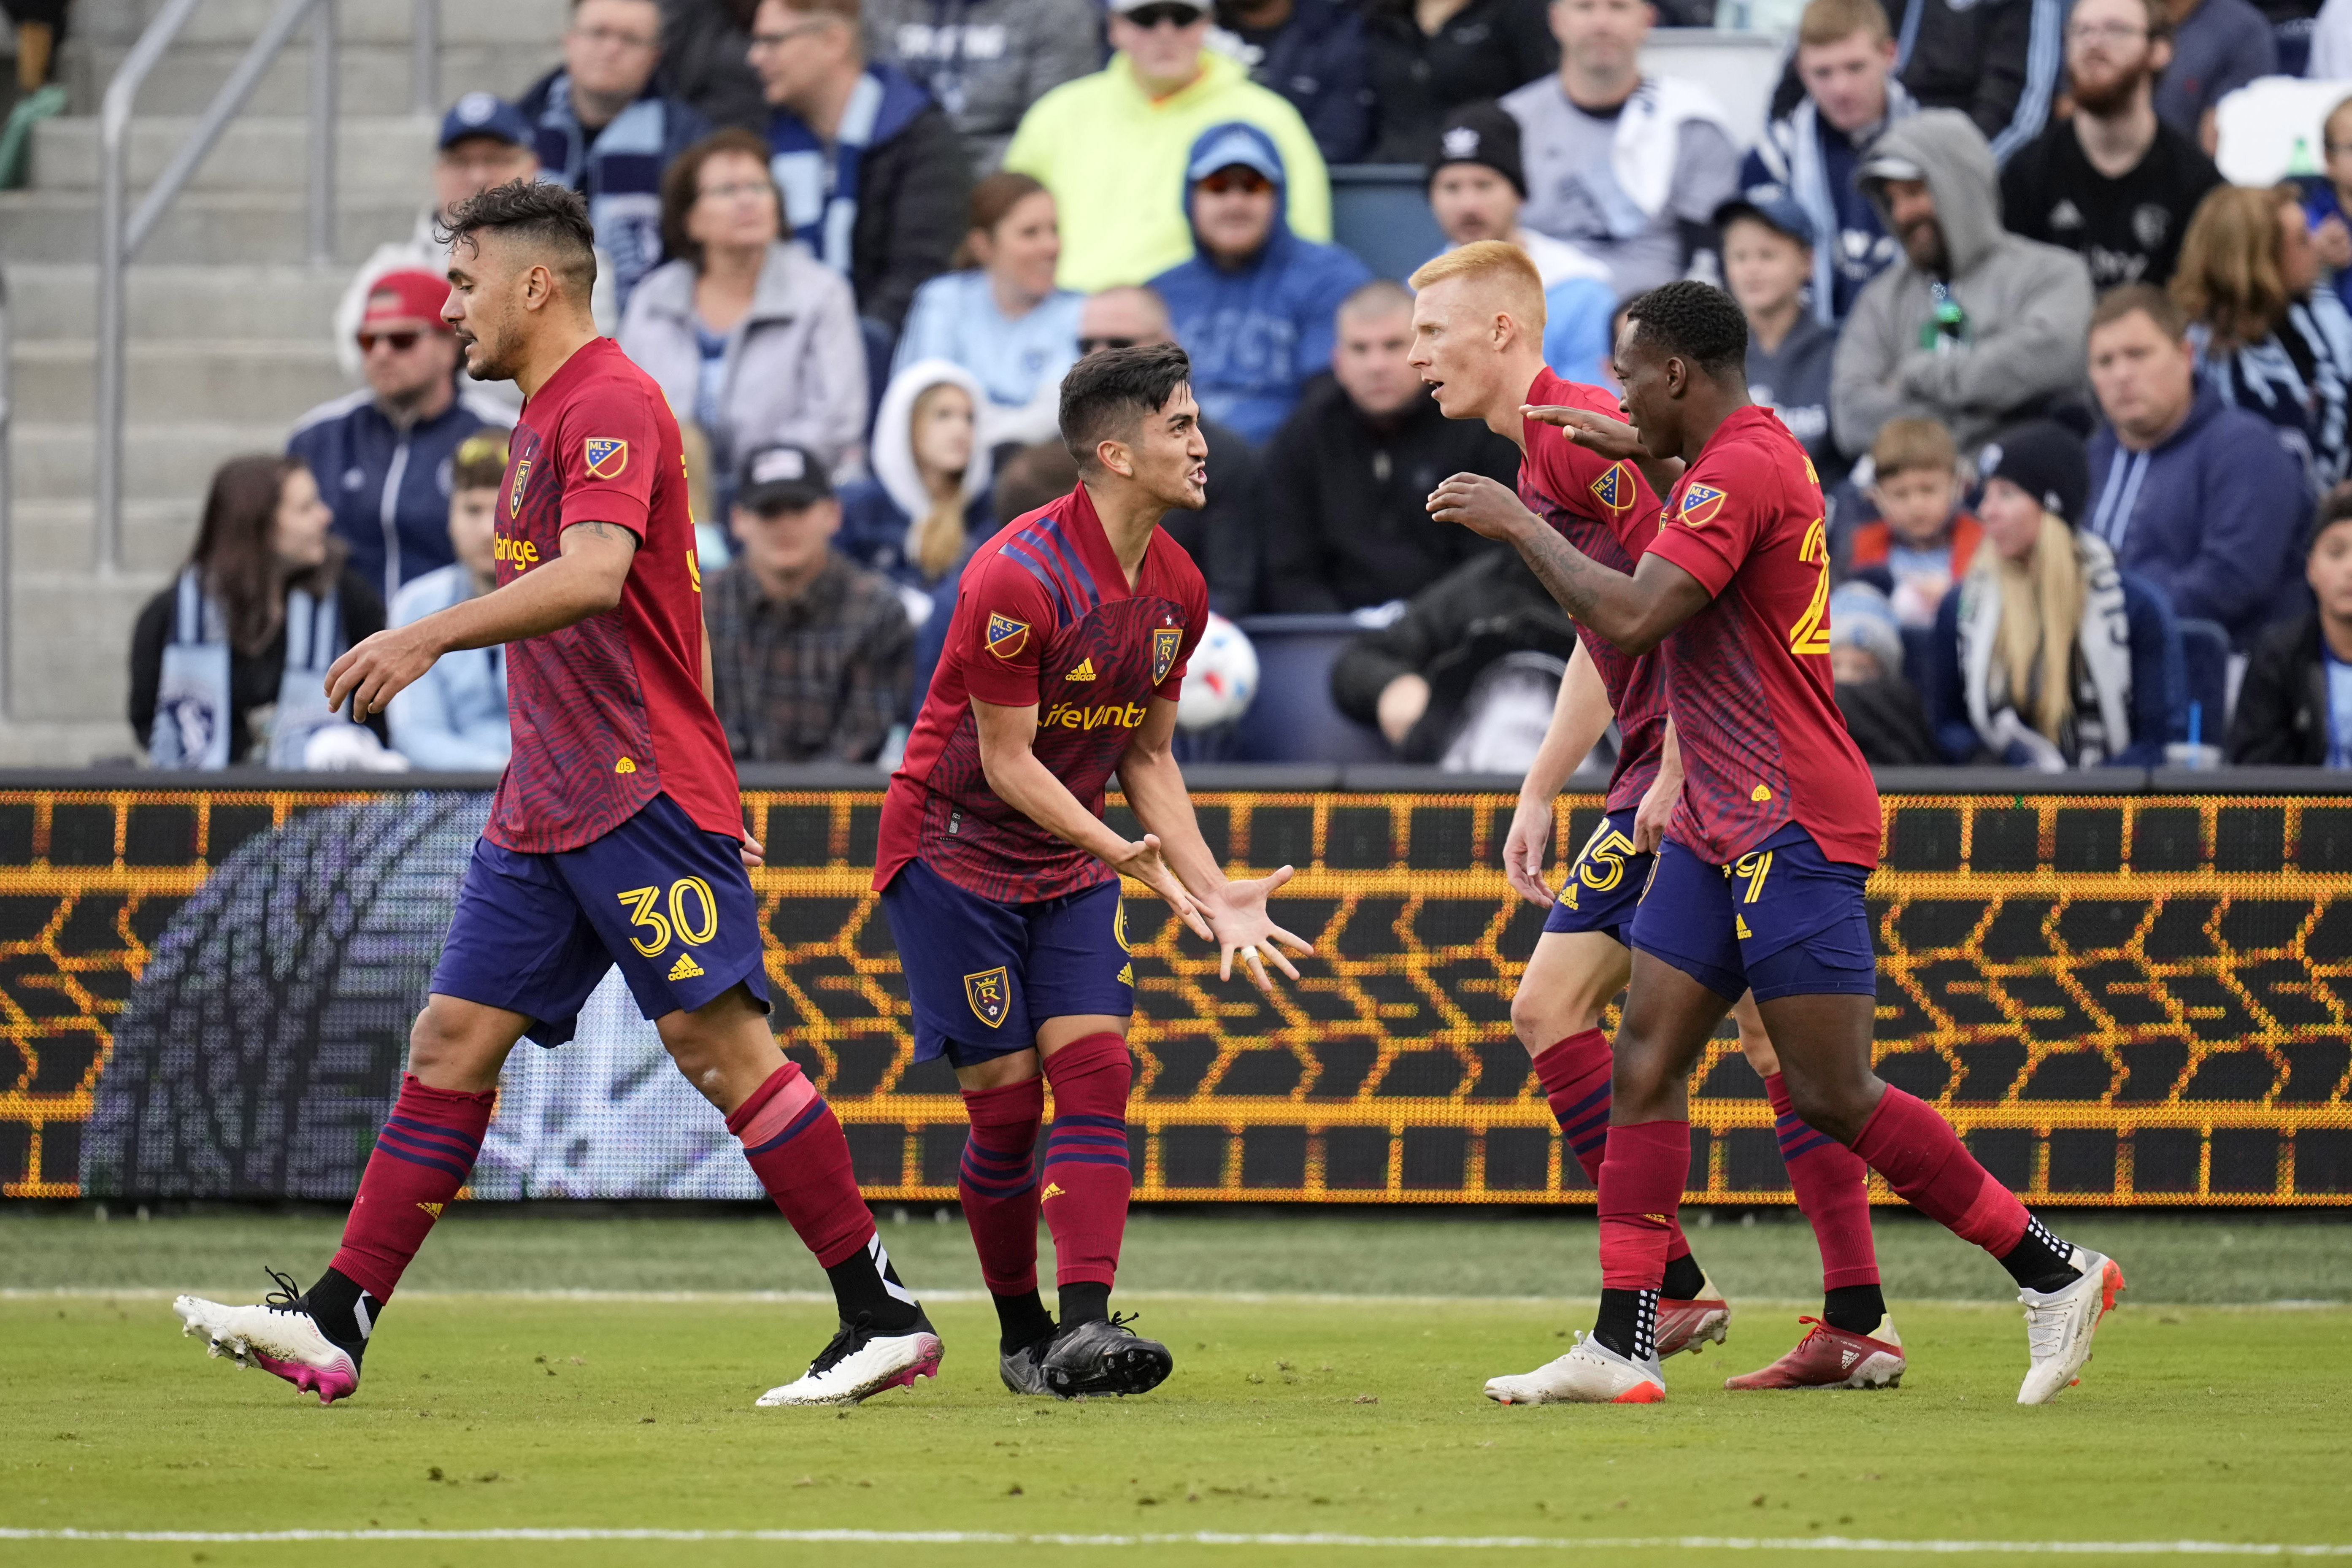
1688 1325
1832 1358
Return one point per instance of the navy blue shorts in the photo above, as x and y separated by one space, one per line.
983 976
1782 921
668 902
1604 885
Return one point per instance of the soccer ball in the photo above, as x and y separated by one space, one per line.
1221 679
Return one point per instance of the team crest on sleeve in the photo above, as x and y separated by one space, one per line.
1614 489
1006 636
607 456
1700 503
1165 643
990 995
514 492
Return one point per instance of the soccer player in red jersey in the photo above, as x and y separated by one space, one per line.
1478 330
1001 880
1759 882
616 835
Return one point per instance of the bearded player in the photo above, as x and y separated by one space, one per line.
1477 340
1001 880
1759 883
616 836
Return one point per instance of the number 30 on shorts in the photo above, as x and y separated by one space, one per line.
687 892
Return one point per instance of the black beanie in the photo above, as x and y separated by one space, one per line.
1481 133
2045 461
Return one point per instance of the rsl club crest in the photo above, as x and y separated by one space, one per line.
514 492
990 995
1165 643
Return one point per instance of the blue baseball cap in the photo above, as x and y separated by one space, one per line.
1236 144
484 115
1772 206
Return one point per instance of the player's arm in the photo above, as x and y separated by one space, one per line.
1612 438
1578 716
1634 612
1018 779
584 580
1657 807
1237 911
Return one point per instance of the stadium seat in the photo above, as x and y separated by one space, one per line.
2205 657
1293 720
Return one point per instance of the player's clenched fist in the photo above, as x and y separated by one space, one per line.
1481 505
372 673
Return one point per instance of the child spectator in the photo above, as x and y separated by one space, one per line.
927 505
1767 260
1924 539
2296 707
453 718
1882 711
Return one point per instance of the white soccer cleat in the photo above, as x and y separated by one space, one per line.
1591 1373
859 1363
278 1336
2059 1326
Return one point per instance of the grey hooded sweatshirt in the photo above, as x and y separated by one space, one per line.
2028 306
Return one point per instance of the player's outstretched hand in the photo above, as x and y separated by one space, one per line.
1481 505
1594 431
1524 848
1144 862
752 851
372 673
1244 929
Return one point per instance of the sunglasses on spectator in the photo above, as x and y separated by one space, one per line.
1150 17
399 342
613 37
1248 181
734 188
1092 345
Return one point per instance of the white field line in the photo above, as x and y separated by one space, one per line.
1229 1297
1868 1546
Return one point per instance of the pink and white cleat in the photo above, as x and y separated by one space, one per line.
859 1363
278 1335
1688 1325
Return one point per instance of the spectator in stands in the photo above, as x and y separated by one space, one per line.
986 61
874 178
603 126
1974 326
2294 708
212 680
811 655
1346 520
1111 146
1924 538
386 447
1253 306
2327 199
2047 655
1032 477
1882 711
1477 186
1812 155
1431 57
927 505
706 61
1223 538
1001 317
1995 61
2111 182
1767 259
453 718
2268 338
2218 47
1314 53
2195 496
750 339
1631 168
1441 683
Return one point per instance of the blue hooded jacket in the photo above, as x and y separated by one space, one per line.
1258 333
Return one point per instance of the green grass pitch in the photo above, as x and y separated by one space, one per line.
1327 1377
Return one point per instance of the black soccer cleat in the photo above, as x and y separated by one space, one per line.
1104 1357
1023 1370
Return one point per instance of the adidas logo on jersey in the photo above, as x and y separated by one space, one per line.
1740 924
1086 670
685 968
1053 1190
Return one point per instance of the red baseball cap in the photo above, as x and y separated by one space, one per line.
411 294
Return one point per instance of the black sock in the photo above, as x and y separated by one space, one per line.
1627 1323
1084 1302
344 1313
864 1284
1685 1278
1857 1309
2040 1261
1020 1320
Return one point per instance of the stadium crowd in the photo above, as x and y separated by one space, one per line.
2082 409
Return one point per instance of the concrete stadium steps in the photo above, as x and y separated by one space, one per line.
70 649
375 154
54 535
214 228
166 378
59 300
160 461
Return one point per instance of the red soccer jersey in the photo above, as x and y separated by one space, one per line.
1609 512
1043 615
608 711
1755 713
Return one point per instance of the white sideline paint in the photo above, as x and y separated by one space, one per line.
1215 1537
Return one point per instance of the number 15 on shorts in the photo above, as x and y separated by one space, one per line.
692 915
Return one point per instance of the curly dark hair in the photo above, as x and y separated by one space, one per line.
1693 321
1109 390
545 217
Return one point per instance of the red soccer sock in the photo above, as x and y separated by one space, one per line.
1923 1159
1574 1073
1087 1172
422 1157
795 1147
999 1185
1833 1193
1640 1187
